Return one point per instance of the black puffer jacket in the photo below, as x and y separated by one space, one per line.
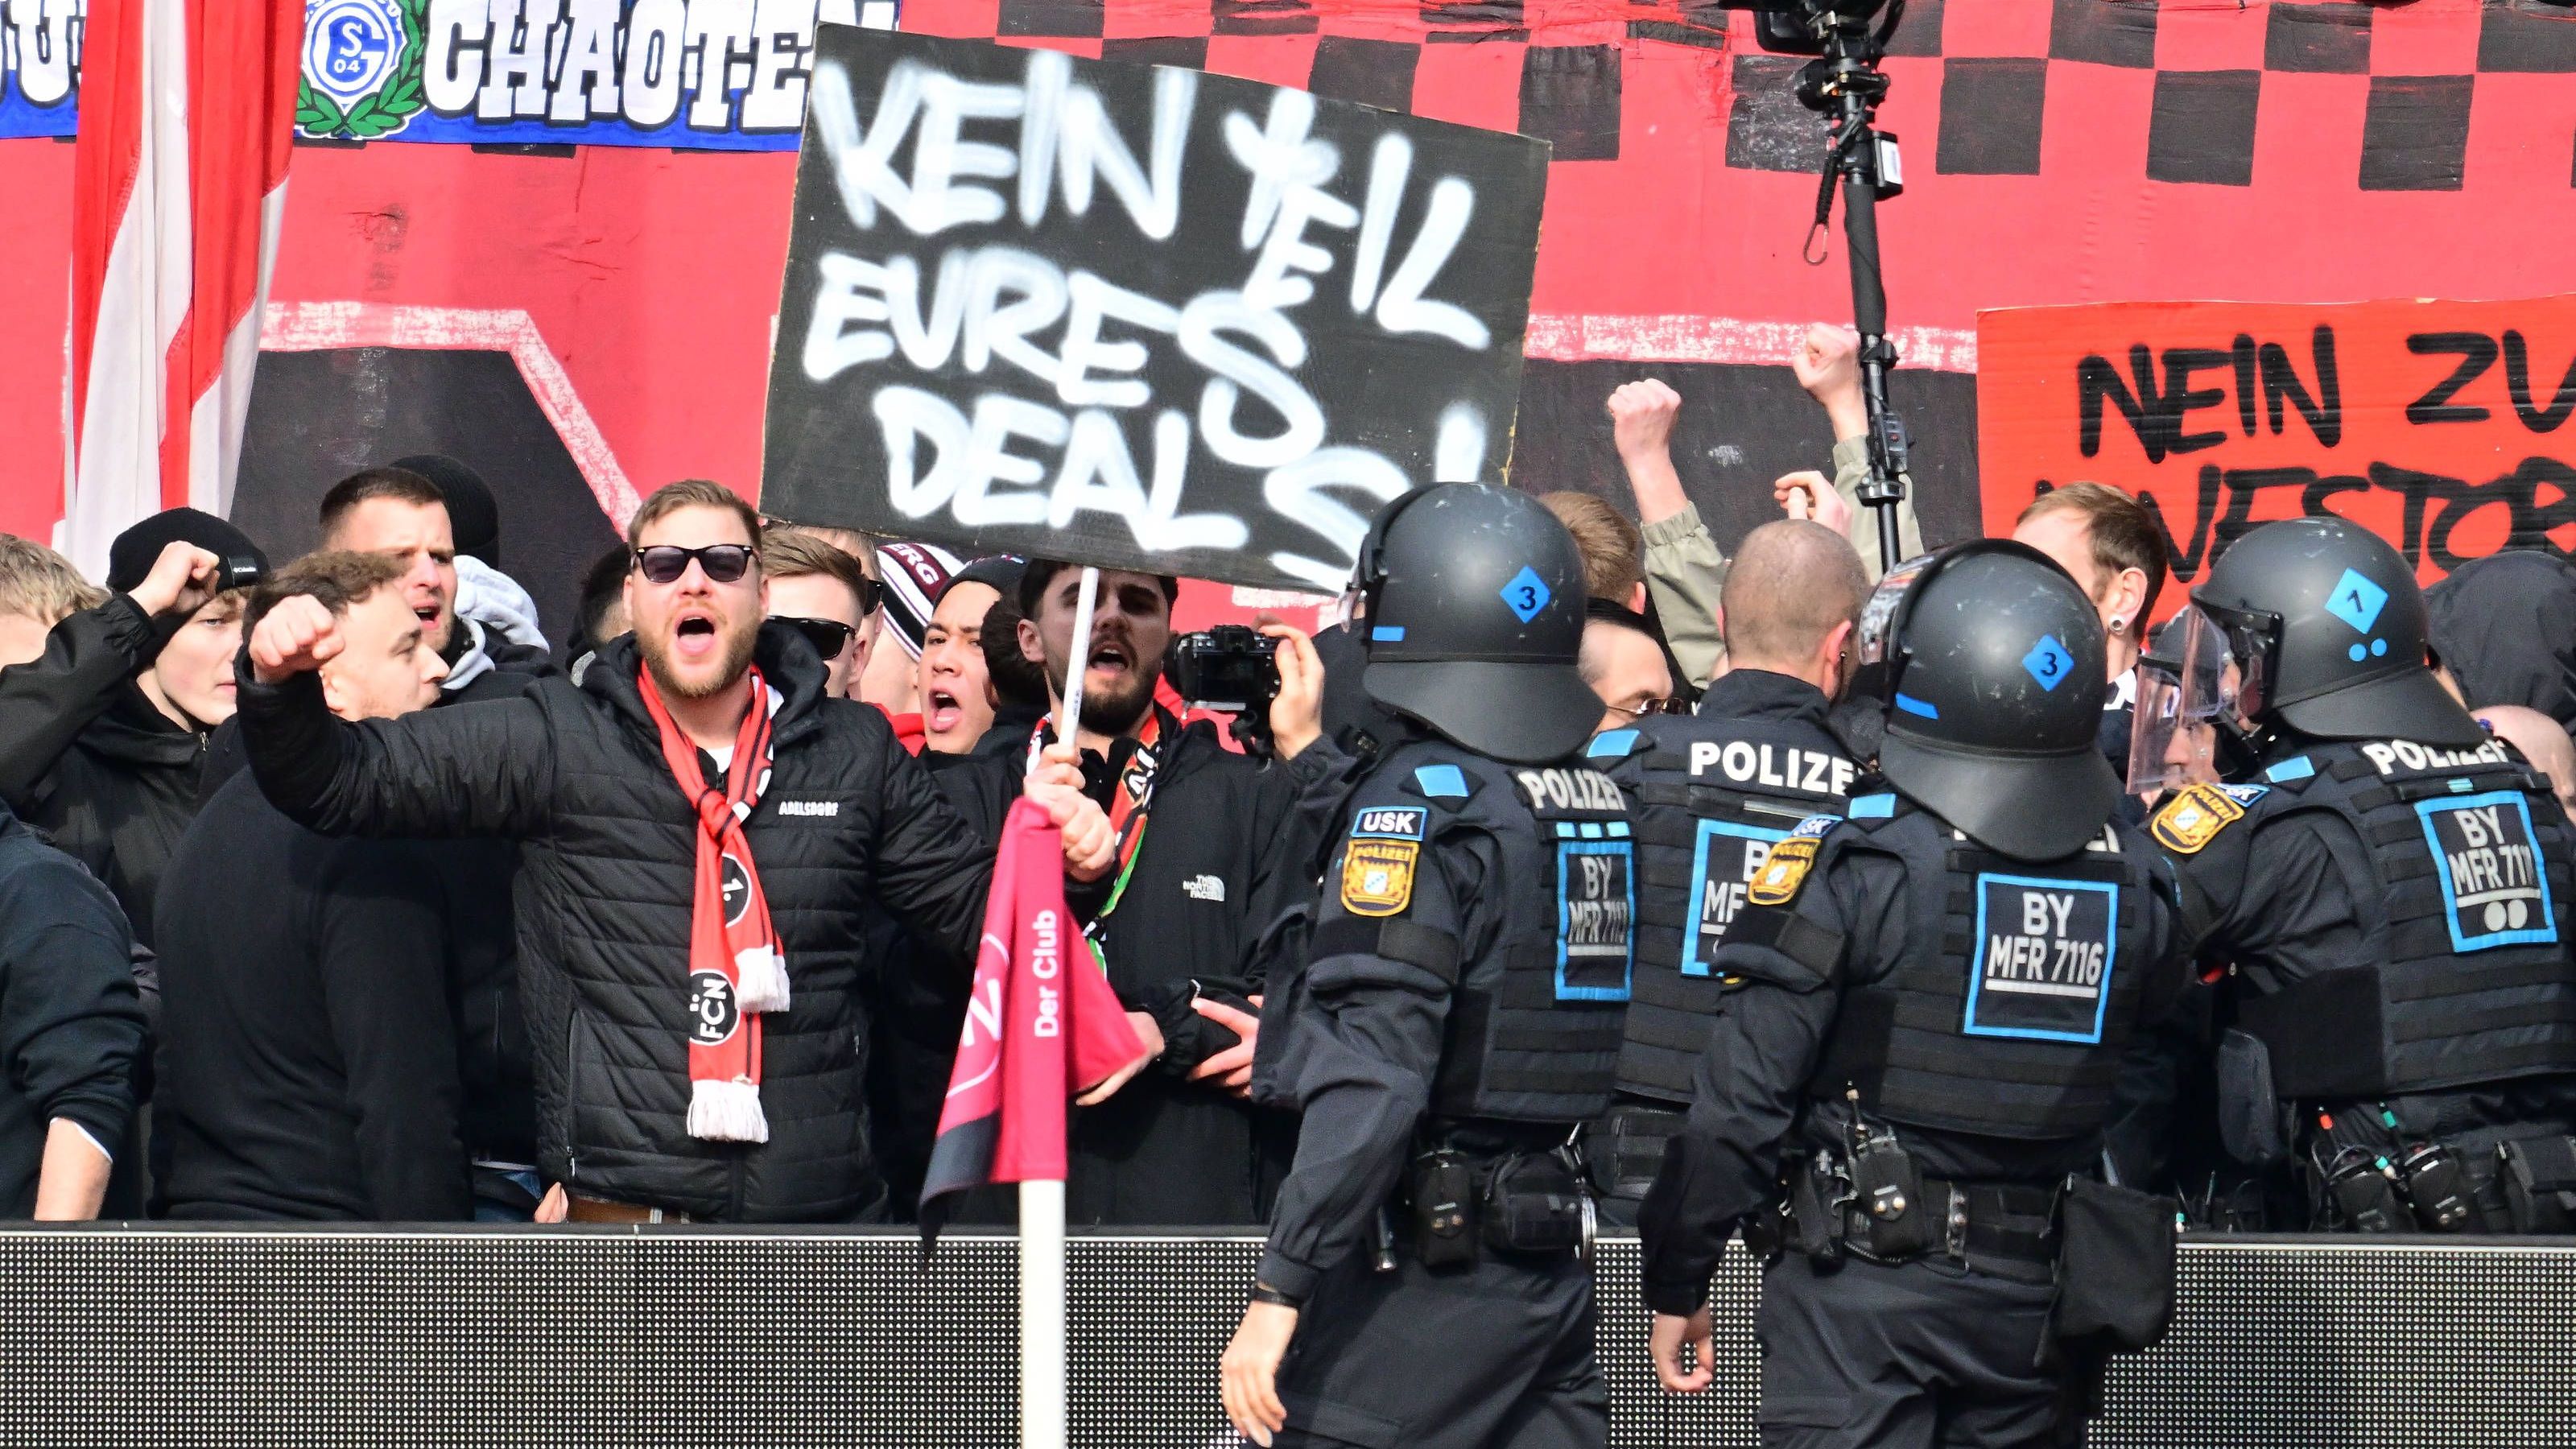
603 894
88 761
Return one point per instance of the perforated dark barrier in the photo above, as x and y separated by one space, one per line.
693 1336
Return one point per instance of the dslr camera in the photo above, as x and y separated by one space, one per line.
1230 667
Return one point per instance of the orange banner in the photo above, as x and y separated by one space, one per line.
2441 426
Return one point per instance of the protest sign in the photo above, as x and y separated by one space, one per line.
2440 426
1137 316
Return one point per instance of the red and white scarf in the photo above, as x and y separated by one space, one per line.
736 972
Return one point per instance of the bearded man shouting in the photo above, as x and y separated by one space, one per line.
703 833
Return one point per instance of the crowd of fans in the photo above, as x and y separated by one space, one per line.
348 895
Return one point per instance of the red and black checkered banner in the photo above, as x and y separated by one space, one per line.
2057 151
2437 425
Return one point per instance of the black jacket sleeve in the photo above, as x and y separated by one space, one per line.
932 868
980 788
465 769
1322 777
1263 808
383 944
1360 1062
1747 1089
46 702
71 1022
2295 911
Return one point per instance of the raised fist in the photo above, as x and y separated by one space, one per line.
1828 362
297 636
182 578
1641 419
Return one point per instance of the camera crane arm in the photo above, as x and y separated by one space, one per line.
1845 84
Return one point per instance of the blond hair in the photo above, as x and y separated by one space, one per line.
42 585
1614 552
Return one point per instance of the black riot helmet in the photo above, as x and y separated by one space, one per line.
1989 663
2324 624
1475 620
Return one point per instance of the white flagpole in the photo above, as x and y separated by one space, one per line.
1042 1394
1042 1315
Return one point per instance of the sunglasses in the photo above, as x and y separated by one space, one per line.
828 636
663 563
1673 705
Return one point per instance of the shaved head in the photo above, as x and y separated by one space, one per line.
1792 584
2541 741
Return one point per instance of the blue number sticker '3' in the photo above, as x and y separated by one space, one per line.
1596 907
1526 594
1726 859
2045 952
2048 662
2494 889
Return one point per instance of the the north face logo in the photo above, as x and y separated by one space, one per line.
1204 888
818 809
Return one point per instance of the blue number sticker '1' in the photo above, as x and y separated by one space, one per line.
1596 908
1737 853
2494 889
2356 600
2045 952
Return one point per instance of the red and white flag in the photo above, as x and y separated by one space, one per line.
1041 1025
186 116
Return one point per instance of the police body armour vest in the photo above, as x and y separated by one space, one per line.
2468 977
1710 797
2018 989
1534 1022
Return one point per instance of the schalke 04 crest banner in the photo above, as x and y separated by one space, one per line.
726 75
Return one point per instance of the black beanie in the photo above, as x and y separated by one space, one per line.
1000 573
472 516
131 556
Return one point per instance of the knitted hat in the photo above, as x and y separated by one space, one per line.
914 575
472 516
131 556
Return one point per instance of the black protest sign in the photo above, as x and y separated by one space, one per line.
1137 316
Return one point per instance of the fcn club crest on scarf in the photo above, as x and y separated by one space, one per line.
362 67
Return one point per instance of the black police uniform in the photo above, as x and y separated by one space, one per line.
2395 911
1919 1041
1876 976
1711 793
1458 1011
2397 919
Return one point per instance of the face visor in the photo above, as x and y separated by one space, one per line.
1875 655
2183 687
2247 648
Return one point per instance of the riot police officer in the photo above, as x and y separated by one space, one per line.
1926 1005
2390 887
1711 793
1459 1013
